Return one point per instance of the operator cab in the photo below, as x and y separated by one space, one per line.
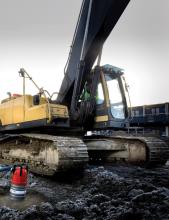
111 104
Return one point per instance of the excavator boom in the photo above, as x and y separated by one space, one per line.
96 20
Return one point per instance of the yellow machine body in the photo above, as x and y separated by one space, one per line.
28 118
21 109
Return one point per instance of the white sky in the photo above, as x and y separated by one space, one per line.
37 35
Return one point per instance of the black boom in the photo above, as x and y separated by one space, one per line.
96 20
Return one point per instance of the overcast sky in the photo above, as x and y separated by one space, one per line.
37 34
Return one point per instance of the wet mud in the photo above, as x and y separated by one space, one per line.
109 192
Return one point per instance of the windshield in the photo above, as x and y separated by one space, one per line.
115 96
100 95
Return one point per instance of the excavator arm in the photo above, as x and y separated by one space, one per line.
96 20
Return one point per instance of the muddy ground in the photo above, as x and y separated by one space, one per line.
109 192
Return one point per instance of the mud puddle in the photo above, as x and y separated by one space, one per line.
31 198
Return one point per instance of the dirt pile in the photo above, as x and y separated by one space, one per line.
118 192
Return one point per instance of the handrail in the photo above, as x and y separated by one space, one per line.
24 74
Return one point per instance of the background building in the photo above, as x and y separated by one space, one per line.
154 118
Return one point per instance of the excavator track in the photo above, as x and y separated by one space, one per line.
158 150
45 154
147 151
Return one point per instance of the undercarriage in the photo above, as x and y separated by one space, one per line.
50 154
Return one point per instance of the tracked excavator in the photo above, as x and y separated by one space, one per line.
49 135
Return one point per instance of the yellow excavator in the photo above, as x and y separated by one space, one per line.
50 135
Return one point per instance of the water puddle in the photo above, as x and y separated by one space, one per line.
32 198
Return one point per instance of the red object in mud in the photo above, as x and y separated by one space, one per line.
19 181
19 176
16 95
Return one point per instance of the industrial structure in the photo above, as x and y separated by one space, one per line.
153 118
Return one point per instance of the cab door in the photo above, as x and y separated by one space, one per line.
111 105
